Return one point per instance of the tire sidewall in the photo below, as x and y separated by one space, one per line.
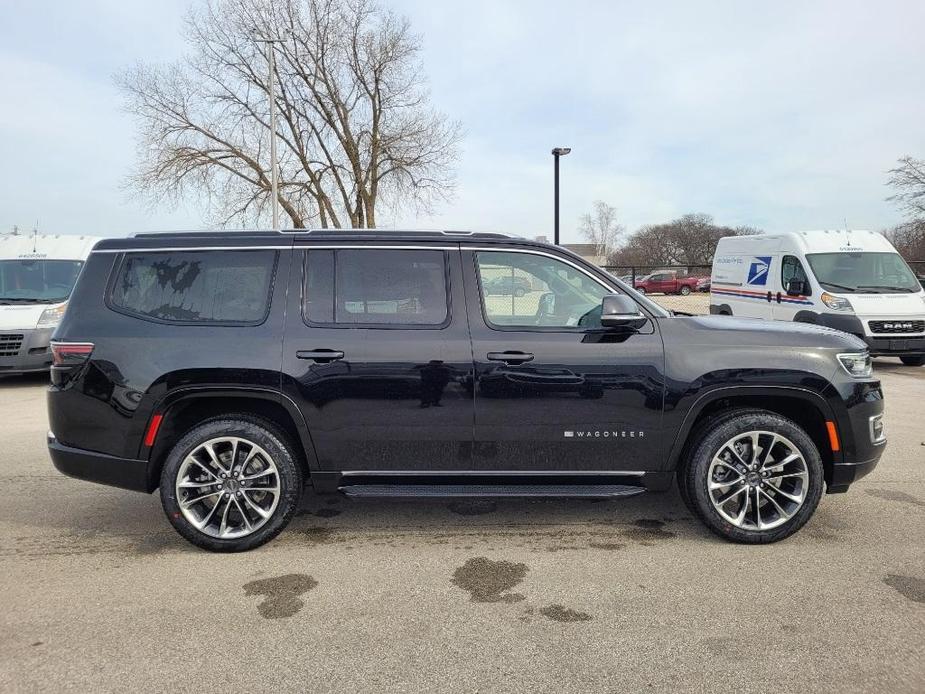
709 445
264 435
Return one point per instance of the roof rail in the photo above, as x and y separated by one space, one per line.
402 232
419 233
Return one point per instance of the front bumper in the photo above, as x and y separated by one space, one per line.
862 403
846 474
91 466
895 346
24 351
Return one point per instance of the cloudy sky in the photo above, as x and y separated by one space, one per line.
781 115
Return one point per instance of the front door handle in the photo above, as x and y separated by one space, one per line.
510 357
322 356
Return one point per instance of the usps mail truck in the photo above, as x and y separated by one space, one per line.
853 281
37 273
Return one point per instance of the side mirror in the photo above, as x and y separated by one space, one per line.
546 306
795 287
620 311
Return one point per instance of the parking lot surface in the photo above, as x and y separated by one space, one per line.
99 593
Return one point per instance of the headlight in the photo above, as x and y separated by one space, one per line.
857 364
836 303
51 316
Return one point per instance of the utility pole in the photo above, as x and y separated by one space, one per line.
556 153
274 165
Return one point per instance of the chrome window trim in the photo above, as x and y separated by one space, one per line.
617 289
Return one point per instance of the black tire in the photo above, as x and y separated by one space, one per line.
519 292
641 290
706 442
685 290
264 434
913 360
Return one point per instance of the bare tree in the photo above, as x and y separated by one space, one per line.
688 240
355 127
908 179
909 240
601 228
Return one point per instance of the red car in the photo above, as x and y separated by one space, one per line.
666 282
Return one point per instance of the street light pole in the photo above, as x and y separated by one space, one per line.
274 165
556 153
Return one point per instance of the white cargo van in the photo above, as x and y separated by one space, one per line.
37 273
853 281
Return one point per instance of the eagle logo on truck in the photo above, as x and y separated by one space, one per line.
758 270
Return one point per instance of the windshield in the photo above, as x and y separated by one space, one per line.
864 273
37 281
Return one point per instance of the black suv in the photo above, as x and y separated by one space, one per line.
228 369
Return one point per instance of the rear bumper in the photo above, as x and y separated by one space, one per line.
24 351
91 466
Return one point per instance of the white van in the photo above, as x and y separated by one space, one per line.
37 273
853 281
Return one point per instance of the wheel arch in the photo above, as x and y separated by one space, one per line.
183 409
805 407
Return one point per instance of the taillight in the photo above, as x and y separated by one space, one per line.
70 353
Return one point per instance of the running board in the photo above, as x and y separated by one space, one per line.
449 491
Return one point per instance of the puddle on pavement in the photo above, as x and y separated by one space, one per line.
560 613
910 587
281 594
489 581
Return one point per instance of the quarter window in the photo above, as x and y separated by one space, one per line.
528 290
196 286
376 287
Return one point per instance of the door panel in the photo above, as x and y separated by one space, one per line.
553 390
400 398
785 307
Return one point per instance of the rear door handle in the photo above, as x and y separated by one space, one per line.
322 356
510 357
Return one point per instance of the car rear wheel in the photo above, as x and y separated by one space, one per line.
913 360
754 477
641 290
231 484
685 290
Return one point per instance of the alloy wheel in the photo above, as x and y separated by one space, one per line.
228 487
758 480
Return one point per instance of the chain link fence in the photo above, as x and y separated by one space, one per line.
684 288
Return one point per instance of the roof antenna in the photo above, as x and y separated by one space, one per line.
35 234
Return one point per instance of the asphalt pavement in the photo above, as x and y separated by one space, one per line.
99 593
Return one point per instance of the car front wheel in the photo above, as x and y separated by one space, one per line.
231 484
753 476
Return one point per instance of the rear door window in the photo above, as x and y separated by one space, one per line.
376 288
224 287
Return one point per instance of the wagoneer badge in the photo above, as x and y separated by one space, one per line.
603 434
